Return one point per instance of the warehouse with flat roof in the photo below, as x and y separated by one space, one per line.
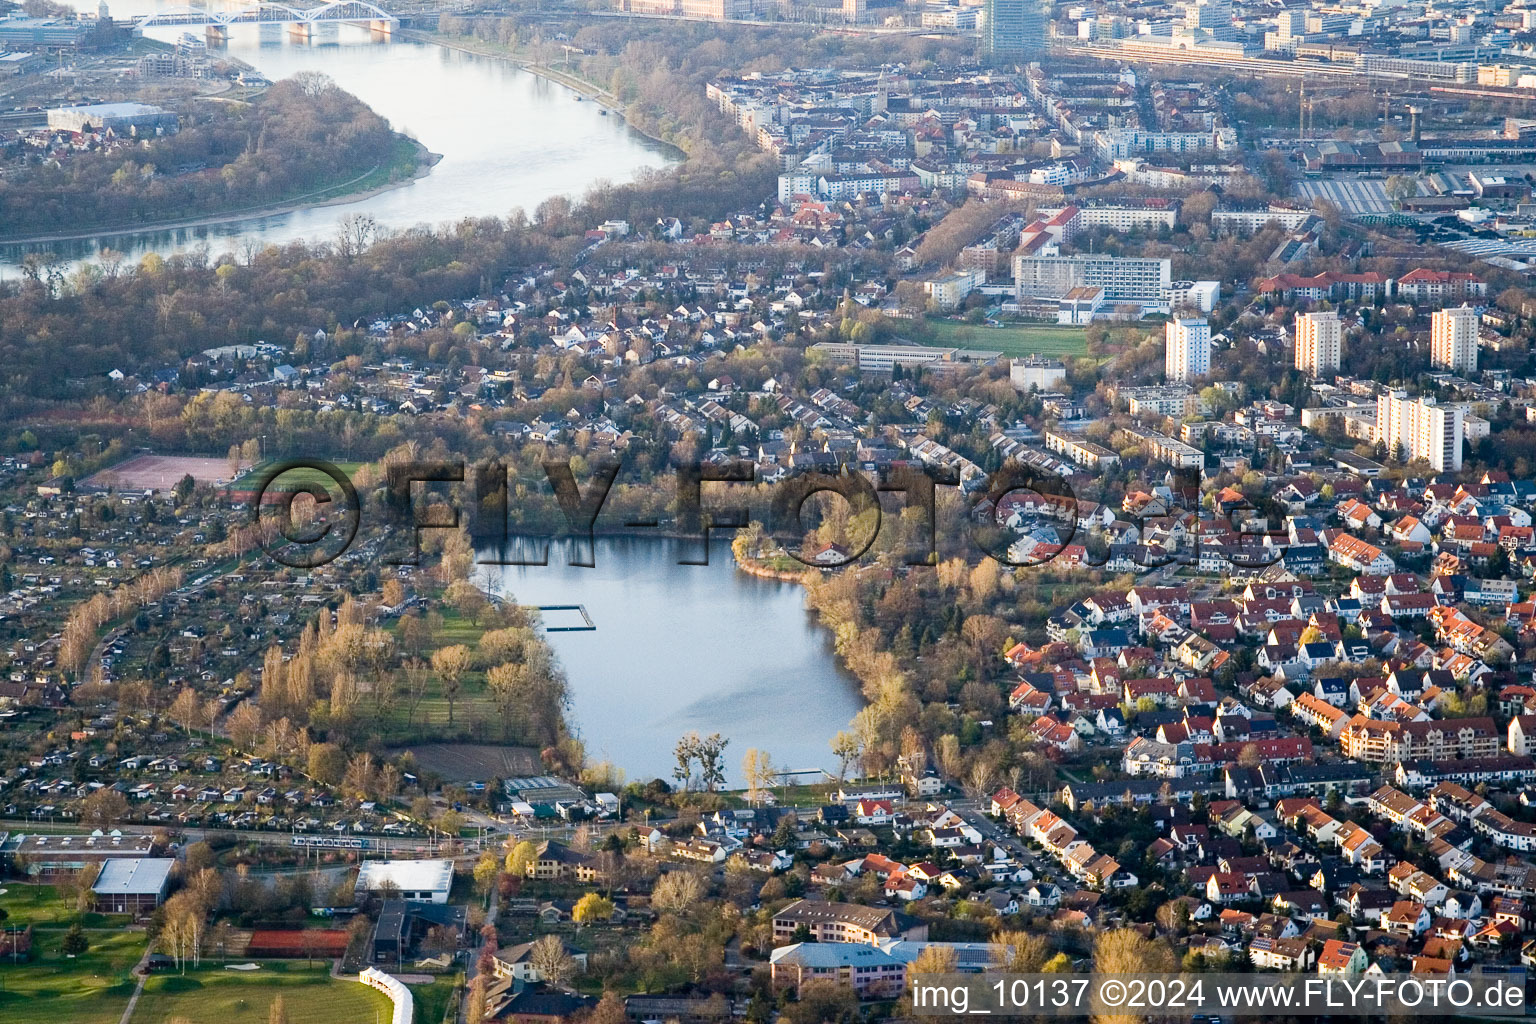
421 881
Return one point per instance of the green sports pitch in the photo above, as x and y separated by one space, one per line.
294 478
1012 340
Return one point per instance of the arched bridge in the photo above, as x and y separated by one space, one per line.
300 20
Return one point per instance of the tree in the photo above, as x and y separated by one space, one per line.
824 1001
450 664
474 1013
686 751
244 725
549 958
361 776
486 870
104 807
75 943
1061 963
933 960
757 768
677 892
845 747
450 823
417 676
711 754
610 1010
327 763
508 683
521 857
186 709
1400 187
592 908
1126 951
467 599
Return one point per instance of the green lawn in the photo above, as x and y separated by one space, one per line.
56 989
293 478
432 716
432 1000
213 995
1013 341
42 907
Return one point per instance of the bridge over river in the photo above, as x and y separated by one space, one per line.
301 22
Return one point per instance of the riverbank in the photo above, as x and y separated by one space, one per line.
602 97
424 160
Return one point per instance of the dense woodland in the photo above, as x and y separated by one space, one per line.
302 135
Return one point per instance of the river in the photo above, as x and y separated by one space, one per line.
507 139
680 647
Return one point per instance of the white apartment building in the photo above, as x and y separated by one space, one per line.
1201 295
1037 372
1453 339
1122 218
1186 350
1246 222
1319 342
1131 279
1417 428
949 290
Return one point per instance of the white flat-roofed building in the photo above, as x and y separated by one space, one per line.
1319 342
1453 339
420 881
132 885
1417 428
1124 218
1037 372
120 117
1191 295
1128 279
1186 350
1245 222
49 856
949 290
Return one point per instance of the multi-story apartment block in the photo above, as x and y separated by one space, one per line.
1186 350
1319 343
1418 428
1130 279
846 922
1453 339
1367 739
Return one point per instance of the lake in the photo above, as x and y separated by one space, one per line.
680 647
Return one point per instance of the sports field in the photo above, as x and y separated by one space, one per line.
298 476
1014 340
159 472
